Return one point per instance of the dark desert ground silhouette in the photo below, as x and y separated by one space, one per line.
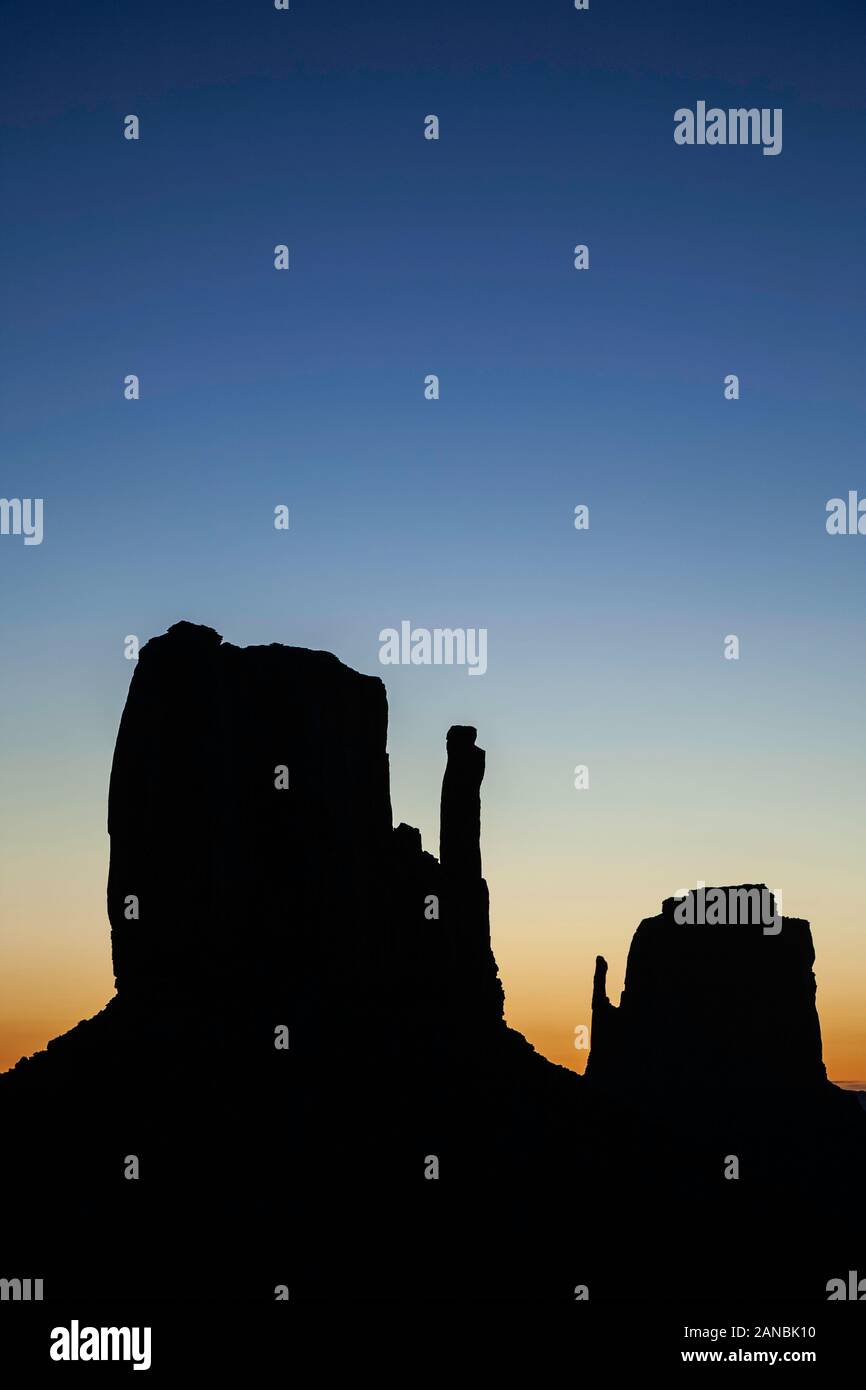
262 907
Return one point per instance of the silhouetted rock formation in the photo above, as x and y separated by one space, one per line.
253 856
259 891
237 874
728 1008
460 814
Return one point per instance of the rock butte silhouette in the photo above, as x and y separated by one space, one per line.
261 907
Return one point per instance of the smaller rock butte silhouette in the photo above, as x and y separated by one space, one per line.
742 999
260 906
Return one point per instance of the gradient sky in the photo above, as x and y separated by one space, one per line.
603 387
